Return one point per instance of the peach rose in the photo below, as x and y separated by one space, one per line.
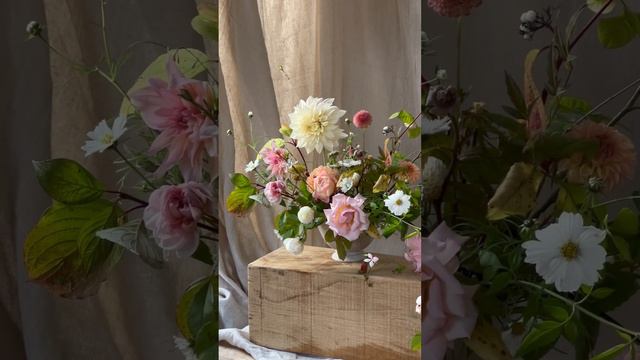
322 183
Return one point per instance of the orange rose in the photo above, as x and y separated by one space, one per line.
322 183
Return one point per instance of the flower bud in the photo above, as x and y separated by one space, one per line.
285 130
528 16
34 28
293 245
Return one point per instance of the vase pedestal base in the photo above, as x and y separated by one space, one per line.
311 304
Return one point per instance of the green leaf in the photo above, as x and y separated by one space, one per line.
342 245
611 353
67 181
134 237
414 132
191 62
623 247
517 192
206 22
404 116
601 293
240 180
416 342
556 312
197 307
543 336
63 253
239 201
500 282
625 223
616 32
573 104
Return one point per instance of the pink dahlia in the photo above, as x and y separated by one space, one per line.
346 217
613 162
176 109
273 191
453 8
276 160
173 214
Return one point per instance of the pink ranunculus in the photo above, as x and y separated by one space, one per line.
175 109
413 253
273 191
450 313
276 160
346 217
322 183
173 214
362 119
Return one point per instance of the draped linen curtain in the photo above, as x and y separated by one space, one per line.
363 53
47 108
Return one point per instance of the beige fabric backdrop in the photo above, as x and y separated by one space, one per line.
363 53
133 316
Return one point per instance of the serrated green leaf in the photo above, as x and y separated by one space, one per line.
67 181
63 254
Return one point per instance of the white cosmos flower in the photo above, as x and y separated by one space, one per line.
398 203
103 137
315 124
293 245
567 254
251 165
435 126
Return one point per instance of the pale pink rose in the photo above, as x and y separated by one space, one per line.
362 119
322 183
276 160
273 191
453 8
413 252
450 313
173 214
186 131
346 217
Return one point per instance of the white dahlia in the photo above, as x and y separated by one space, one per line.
567 254
314 124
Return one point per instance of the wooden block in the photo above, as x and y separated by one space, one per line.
311 304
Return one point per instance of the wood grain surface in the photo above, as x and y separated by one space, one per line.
311 304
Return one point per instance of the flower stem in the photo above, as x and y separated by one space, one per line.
577 306
133 167
615 201
609 99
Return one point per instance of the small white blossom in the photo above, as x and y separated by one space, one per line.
349 163
278 236
441 74
398 203
567 253
33 28
293 245
250 114
371 260
528 16
419 304
306 215
103 137
252 165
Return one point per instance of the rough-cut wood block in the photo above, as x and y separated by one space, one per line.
313 305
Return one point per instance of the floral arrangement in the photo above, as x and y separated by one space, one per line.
523 244
351 195
163 207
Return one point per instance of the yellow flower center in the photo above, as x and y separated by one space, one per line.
317 124
569 251
107 139
399 202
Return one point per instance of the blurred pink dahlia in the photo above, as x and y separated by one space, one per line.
613 162
453 8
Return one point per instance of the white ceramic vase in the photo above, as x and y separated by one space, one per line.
356 253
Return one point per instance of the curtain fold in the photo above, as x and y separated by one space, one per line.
48 109
363 53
